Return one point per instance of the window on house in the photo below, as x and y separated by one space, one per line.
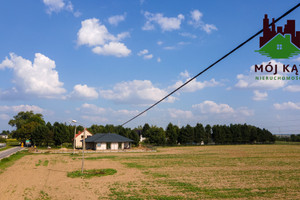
82 136
108 145
120 145
98 144
279 46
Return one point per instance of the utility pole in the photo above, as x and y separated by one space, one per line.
83 147
74 142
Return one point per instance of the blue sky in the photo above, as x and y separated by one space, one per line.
102 62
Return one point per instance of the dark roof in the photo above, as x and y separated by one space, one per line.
107 137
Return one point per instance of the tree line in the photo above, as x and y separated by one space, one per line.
31 126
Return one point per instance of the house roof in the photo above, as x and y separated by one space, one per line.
107 137
80 132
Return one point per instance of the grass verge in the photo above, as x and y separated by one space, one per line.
91 173
9 161
7 147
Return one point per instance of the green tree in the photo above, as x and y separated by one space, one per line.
199 133
39 135
186 135
208 132
172 134
25 123
26 117
145 130
60 133
157 136
134 136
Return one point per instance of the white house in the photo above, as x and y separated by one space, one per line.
3 136
108 141
79 138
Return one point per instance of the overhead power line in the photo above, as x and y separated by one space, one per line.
236 48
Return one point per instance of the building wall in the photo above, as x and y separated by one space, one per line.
101 146
79 138
113 146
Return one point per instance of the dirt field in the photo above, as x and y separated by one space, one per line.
204 172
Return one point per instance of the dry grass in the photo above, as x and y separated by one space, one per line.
204 172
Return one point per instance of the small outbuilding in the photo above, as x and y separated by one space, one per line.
108 141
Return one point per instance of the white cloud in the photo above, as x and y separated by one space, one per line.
183 114
93 34
92 109
19 108
147 57
287 106
249 81
196 21
194 85
185 74
165 23
84 92
145 54
196 15
4 117
159 42
158 60
208 28
112 49
259 96
212 108
292 88
188 35
38 78
169 47
135 92
97 114
115 20
60 5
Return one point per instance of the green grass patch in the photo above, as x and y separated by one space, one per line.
12 142
43 196
39 163
228 193
9 161
91 173
135 165
100 157
46 162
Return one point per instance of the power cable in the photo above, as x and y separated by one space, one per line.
236 48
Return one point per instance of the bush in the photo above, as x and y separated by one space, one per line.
2 140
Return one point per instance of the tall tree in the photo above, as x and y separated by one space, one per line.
157 136
145 130
199 133
25 123
172 134
208 134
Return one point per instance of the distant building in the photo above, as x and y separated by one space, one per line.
79 138
3 136
108 141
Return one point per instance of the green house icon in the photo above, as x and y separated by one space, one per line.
279 47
